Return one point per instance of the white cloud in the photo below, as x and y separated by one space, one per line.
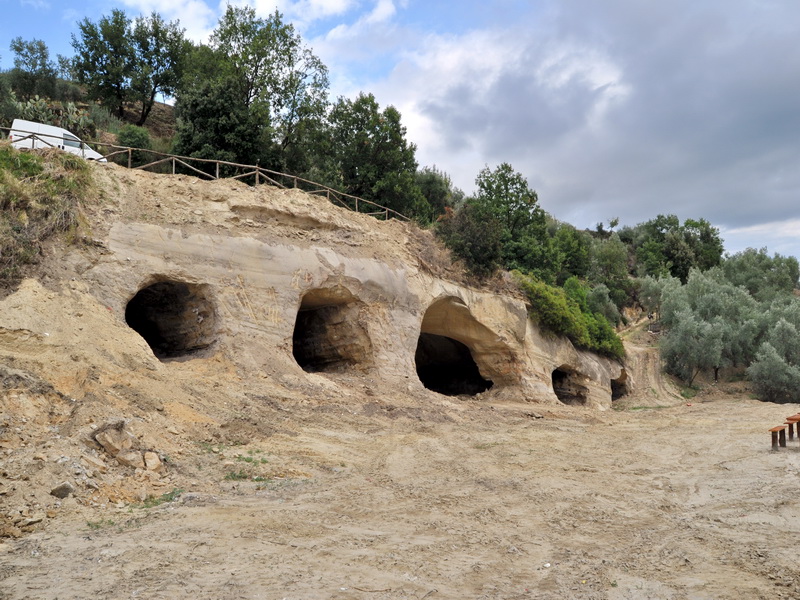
383 11
301 13
195 16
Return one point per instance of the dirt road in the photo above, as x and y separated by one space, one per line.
460 500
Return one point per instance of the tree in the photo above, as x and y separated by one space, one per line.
691 346
372 157
609 266
8 104
504 193
761 275
438 190
121 61
104 59
159 53
214 123
775 372
572 247
34 74
278 77
472 236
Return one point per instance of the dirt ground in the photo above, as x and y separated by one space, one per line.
375 500
337 487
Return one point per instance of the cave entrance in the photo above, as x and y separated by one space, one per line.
175 318
328 335
619 386
446 366
454 350
567 386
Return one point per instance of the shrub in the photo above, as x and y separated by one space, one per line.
133 136
473 236
555 310
774 379
39 197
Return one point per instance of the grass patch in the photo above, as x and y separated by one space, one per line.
689 392
154 501
40 196
239 475
250 459
102 524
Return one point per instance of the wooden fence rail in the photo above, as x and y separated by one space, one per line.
229 170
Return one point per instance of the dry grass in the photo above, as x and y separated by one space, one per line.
40 194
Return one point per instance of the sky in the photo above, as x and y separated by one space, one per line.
619 108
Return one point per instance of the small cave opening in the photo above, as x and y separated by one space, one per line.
567 388
176 319
619 386
328 335
446 366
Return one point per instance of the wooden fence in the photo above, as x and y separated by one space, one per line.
221 169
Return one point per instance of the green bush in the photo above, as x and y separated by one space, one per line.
560 311
473 236
135 137
774 379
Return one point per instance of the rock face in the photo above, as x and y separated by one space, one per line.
285 286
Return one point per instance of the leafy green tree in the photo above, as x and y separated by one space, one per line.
280 78
691 346
730 314
504 193
572 247
104 59
372 157
705 242
214 123
652 291
134 136
34 74
160 50
120 61
599 302
8 104
775 372
438 190
663 246
472 236
609 266
761 275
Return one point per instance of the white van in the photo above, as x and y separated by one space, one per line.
28 134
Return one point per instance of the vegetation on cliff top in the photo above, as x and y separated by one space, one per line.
39 196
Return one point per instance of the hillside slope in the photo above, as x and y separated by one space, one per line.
235 392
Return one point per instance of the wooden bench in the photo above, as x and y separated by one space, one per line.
778 436
790 421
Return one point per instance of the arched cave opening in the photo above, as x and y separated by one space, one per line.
567 387
175 318
619 386
328 335
446 366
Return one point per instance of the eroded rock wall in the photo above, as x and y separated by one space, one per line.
264 256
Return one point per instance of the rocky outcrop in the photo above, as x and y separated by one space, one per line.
288 287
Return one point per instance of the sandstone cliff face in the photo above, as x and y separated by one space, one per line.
284 287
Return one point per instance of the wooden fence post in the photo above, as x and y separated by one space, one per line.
130 158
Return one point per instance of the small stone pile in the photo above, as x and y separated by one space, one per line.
121 444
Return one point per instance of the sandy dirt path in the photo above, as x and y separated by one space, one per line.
669 503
